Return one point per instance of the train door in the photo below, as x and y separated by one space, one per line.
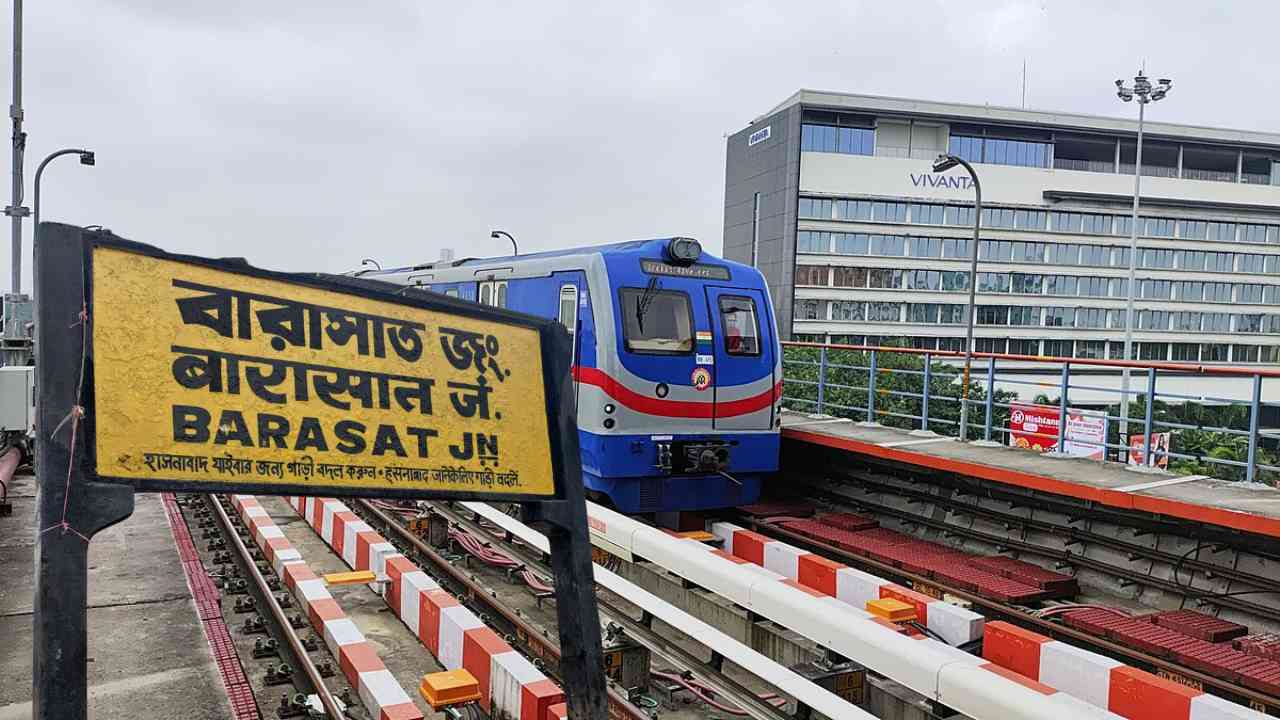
743 363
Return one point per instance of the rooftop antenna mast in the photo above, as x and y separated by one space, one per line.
1024 83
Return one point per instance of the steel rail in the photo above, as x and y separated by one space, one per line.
642 634
1012 614
539 645
282 621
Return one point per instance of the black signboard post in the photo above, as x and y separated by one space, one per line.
152 367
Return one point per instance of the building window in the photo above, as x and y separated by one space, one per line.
815 208
1024 315
1026 283
1152 258
1217 322
1031 252
1186 321
993 282
853 210
1059 348
1248 293
809 310
993 315
1020 346
955 281
1193 229
957 248
1065 222
1153 320
1250 263
1248 323
1153 289
922 313
884 312
1191 260
1091 349
959 215
999 151
850 277
989 345
1217 292
847 310
889 212
1153 351
1060 285
811 275
1219 261
924 247
1253 233
1222 232
849 141
924 280
1156 227
922 214
1096 224
1059 317
884 278
951 314
1186 352
1093 286
1244 353
997 217
1029 219
1091 318
851 243
1213 353
1063 254
888 245
808 241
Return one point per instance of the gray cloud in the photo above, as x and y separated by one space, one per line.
308 137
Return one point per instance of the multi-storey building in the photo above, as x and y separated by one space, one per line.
832 196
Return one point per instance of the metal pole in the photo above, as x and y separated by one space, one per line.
924 394
972 310
871 389
1146 422
1061 449
822 377
1133 264
1255 407
15 211
991 398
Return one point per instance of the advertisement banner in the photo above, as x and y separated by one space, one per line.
1035 427
1159 449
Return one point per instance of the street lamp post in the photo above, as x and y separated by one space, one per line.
500 233
1144 92
943 164
86 158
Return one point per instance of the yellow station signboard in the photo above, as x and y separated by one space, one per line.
210 373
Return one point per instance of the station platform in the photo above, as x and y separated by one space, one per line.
1252 508
148 656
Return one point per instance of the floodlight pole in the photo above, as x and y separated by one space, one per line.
946 162
1144 92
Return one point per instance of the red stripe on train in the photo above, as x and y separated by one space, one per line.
674 408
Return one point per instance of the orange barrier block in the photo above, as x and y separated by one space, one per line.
891 610
356 577
1013 648
1139 695
818 573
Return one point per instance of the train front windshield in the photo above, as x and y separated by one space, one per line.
657 321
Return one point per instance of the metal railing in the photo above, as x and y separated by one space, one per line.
1212 434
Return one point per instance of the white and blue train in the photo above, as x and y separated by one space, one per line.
677 364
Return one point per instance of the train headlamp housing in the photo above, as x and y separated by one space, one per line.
683 251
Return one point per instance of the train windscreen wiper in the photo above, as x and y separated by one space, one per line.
646 299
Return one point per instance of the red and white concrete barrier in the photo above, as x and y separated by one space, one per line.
510 685
379 690
954 624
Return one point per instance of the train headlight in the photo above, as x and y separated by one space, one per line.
683 251
608 409
608 423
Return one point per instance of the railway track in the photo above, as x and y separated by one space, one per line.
276 646
994 609
542 643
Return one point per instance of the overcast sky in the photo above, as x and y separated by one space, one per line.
311 135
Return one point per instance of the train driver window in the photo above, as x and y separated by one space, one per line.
739 325
657 321
569 307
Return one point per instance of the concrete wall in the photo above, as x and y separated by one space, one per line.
770 167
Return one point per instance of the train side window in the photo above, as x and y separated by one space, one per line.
493 292
569 307
451 292
739 325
